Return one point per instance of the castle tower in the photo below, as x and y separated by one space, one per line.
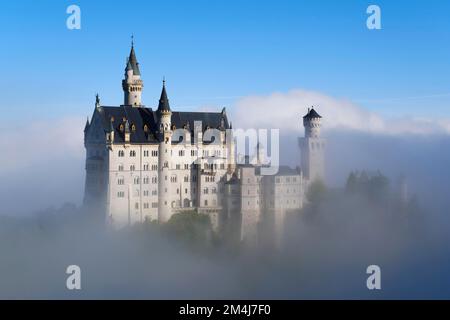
164 157
312 147
132 84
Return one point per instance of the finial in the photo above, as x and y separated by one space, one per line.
97 100
164 81
132 40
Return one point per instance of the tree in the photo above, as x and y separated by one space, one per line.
352 183
316 192
190 227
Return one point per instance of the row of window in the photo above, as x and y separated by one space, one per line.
181 153
154 153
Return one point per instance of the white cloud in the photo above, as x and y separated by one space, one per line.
285 111
41 143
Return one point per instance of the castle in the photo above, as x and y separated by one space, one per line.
146 164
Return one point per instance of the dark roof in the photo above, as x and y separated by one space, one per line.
287 171
163 101
282 171
132 63
140 117
312 114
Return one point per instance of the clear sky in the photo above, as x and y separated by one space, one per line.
213 52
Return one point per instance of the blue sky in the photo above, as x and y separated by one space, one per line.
213 52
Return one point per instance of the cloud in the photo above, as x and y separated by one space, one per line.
41 143
43 165
285 111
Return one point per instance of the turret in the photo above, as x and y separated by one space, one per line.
312 123
312 148
164 156
132 84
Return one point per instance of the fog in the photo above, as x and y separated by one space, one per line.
324 254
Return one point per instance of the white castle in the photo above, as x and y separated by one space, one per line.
144 164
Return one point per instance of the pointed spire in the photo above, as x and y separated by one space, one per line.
132 61
86 127
164 101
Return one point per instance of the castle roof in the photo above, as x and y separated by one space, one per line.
283 171
312 114
144 125
132 63
164 101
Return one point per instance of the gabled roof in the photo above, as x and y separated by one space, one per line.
312 114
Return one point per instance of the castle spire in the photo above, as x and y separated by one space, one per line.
132 63
132 84
164 101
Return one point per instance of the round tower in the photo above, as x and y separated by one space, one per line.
164 157
132 84
312 123
312 148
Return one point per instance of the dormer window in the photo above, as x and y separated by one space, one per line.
145 128
121 127
133 128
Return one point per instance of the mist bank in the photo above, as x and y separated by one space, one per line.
325 251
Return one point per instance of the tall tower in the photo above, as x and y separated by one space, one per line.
164 157
312 147
132 84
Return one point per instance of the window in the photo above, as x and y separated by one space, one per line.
181 153
192 153
121 153
214 190
186 190
120 167
121 181
146 153
146 205
206 203
136 180
177 167
155 192
205 191
146 193
136 205
132 167
186 179
154 204
120 194
154 180
154 153
146 180
154 167
146 167
132 153
173 179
